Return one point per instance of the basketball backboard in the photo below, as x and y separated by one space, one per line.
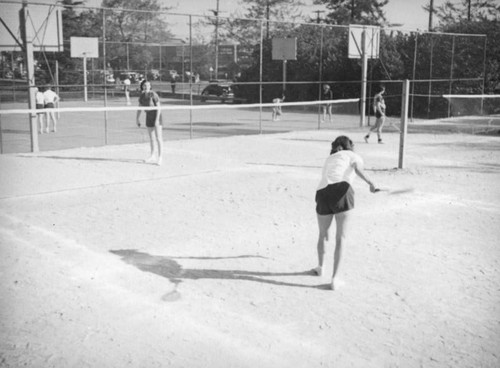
284 49
84 47
372 41
43 26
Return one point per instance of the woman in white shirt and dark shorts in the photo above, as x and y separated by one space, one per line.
335 197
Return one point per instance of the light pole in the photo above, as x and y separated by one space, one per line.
216 13
318 12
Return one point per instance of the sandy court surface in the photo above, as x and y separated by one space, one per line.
204 261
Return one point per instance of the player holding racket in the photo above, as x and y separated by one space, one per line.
335 197
379 109
150 98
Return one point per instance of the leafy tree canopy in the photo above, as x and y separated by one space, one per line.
354 11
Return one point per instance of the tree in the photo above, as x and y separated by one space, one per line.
483 18
135 21
355 11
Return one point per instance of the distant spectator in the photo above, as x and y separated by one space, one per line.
50 99
277 108
173 81
40 116
126 88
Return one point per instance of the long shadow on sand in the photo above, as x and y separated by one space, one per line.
103 159
167 267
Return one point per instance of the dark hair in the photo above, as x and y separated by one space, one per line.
143 83
341 143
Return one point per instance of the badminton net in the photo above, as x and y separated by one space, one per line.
115 123
479 113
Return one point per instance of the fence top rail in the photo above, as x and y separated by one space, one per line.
177 107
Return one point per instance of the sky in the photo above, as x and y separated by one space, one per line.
409 13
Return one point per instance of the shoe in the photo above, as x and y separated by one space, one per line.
366 138
318 271
149 160
380 141
159 162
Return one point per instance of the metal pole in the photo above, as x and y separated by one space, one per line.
404 122
363 78
320 74
431 12
85 95
430 80
451 73
413 75
191 78
216 42
105 69
260 74
284 77
30 70
484 71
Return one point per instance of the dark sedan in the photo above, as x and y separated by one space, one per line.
217 90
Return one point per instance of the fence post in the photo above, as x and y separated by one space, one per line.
404 121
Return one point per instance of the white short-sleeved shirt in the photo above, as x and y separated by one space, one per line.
50 96
339 167
39 98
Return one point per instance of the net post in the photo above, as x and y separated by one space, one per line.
404 121
30 69
364 67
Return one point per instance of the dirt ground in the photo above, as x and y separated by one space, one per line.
205 261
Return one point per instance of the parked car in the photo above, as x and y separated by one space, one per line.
133 76
217 90
135 79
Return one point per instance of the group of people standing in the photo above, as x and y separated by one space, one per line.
46 99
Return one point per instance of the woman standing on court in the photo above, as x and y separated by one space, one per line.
50 99
40 115
335 198
150 98
379 108
327 95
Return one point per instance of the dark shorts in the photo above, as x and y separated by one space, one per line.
335 198
378 115
49 105
151 118
40 106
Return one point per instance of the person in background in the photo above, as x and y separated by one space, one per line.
335 199
50 100
126 89
172 83
379 109
277 107
327 95
149 98
40 116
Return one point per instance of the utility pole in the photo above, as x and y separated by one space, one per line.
216 14
431 12
216 41
318 12
267 18
468 13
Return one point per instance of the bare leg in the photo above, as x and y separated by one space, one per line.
151 145
324 222
54 120
159 141
340 238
